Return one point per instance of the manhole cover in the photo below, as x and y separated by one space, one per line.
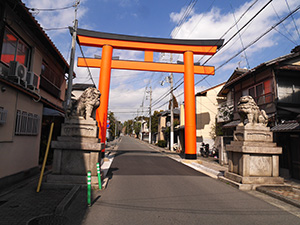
48 220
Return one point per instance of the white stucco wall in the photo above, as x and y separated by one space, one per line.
17 152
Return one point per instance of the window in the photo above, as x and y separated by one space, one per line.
52 76
3 115
262 93
14 49
26 123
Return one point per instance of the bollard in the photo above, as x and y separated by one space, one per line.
89 182
99 176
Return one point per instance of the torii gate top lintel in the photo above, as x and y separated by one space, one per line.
188 48
119 41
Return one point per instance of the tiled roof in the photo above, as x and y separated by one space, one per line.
285 127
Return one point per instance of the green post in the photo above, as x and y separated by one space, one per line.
89 182
99 176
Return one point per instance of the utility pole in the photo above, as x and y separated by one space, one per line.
172 113
150 137
142 122
72 57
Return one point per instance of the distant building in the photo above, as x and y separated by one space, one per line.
164 122
207 103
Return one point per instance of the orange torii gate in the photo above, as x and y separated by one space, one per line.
188 48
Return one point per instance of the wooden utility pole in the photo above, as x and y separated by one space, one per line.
150 121
72 59
172 113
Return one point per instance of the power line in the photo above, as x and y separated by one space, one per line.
202 17
262 35
57 28
184 17
165 95
293 18
88 68
253 42
239 30
286 30
52 9
240 37
174 33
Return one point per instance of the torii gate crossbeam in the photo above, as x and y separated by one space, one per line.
188 48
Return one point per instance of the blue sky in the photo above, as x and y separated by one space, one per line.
208 19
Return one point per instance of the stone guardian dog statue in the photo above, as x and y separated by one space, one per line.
248 109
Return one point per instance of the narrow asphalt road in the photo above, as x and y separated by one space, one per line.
146 187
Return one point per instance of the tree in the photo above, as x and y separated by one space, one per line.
128 126
113 123
154 122
137 128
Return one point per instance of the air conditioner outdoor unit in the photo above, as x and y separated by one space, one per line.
17 71
33 80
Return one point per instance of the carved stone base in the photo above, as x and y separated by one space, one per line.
77 151
253 180
253 158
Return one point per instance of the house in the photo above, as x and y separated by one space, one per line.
32 87
164 122
207 103
275 86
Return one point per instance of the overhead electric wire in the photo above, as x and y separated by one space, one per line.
296 27
253 42
286 30
178 27
56 28
165 95
262 35
52 9
88 68
239 30
184 17
202 17
242 43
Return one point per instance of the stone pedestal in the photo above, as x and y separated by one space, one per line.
76 151
253 158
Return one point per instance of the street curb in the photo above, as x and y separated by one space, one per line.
265 190
65 203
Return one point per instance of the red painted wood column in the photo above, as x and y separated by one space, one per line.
104 86
189 101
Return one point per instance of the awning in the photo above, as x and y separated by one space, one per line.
231 124
52 112
290 109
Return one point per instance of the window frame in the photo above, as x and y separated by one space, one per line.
19 42
27 123
260 99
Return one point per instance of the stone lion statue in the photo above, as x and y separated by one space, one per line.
87 103
248 109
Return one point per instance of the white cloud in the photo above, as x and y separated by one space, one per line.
213 24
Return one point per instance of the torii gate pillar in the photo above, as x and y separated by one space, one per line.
104 85
189 101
